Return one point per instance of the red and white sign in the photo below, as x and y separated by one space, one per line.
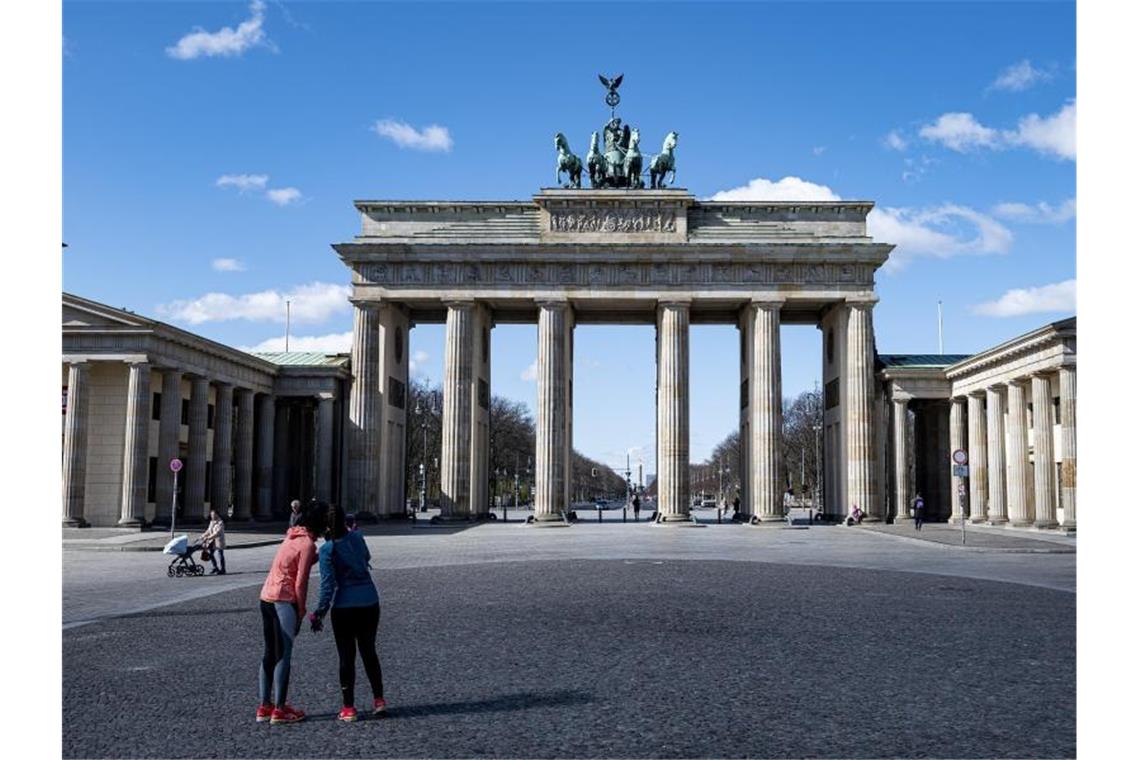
175 465
960 457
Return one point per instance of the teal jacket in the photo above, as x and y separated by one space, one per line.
346 580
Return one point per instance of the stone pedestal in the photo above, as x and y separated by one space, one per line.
136 438
860 411
267 417
221 475
455 459
243 467
765 409
75 444
196 450
673 412
1017 466
552 429
169 429
979 465
902 460
363 410
1044 467
1068 382
995 455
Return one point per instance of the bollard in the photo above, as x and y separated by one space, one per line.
718 514
599 514
623 514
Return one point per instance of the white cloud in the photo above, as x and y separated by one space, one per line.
416 363
225 42
333 343
283 196
1054 135
431 138
227 265
1060 296
530 374
960 132
786 189
311 303
818 150
895 141
1020 76
1041 213
243 182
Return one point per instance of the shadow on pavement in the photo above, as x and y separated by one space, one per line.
509 702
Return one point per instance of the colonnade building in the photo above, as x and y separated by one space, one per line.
258 430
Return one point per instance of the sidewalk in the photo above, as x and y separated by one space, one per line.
152 540
980 537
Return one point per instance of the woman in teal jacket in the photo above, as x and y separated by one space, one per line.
347 589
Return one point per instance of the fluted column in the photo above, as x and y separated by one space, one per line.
957 441
1069 446
995 455
195 501
324 484
766 414
1017 466
75 443
169 429
455 459
1044 468
673 411
552 428
363 410
243 469
979 466
136 437
221 477
267 414
860 411
902 460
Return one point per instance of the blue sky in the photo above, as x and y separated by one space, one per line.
212 152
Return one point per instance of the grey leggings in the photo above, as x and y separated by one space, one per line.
279 626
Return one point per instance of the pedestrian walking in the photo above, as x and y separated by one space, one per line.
282 610
919 511
348 591
735 505
214 541
350 522
636 507
294 512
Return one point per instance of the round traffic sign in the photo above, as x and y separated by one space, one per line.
175 465
960 457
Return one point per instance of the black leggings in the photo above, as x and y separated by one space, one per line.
355 627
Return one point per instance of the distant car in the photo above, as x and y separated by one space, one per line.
708 504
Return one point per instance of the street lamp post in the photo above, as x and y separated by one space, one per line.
818 472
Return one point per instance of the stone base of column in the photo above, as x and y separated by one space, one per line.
131 522
75 522
548 521
1046 524
1020 524
767 521
997 521
977 521
872 520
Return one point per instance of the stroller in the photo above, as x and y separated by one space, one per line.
183 563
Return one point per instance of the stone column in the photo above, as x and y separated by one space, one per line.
1044 468
75 444
267 414
136 437
979 466
325 404
243 470
765 414
957 441
455 459
552 428
902 460
673 411
1017 467
995 453
196 450
221 484
169 430
1069 445
860 411
363 410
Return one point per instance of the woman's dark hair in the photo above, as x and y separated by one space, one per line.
335 522
313 516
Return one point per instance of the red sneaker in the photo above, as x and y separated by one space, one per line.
379 706
264 712
347 714
286 714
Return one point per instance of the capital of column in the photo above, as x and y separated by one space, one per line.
767 302
553 303
862 301
459 303
366 304
674 303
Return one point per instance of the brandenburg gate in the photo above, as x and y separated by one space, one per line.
606 254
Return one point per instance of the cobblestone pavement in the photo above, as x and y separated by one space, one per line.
598 641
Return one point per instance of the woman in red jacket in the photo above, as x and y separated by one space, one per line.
282 610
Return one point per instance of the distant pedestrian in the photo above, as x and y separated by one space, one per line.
350 522
636 507
282 610
295 512
348 590
919 511
735 505
214 541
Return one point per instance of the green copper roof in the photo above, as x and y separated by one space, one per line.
921 360
303 358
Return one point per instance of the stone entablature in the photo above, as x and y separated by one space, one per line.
1043 350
